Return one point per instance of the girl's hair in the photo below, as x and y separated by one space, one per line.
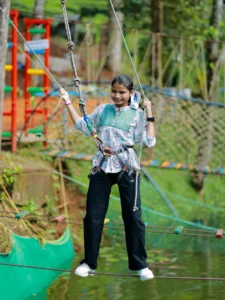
124 80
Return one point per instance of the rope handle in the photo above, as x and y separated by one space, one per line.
77 81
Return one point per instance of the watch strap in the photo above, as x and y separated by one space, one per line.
151 119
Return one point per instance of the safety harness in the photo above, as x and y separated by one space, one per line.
108 152
97 140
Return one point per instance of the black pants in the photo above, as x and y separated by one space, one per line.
97 205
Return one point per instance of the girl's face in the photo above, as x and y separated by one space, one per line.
120 95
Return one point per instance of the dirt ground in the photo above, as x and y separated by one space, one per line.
20 115
38 119
35 222
60 51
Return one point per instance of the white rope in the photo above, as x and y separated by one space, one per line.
128 52
135 208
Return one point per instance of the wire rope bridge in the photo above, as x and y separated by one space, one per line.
73 221
202 232
182 129
182 126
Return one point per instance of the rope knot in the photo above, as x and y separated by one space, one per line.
77 81
81 102
71 46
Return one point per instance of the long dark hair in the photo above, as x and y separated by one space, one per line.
124 80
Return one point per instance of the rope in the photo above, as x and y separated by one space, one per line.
166 200
112 274
35 108
135 208
144 208
195 202
71 46
111 222
128 52
122 228
39 134
183 97
33 111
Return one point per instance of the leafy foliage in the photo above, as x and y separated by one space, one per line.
180 17
32 207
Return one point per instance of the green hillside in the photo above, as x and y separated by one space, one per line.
54 6
208 208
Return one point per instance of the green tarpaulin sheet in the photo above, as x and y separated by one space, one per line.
18 283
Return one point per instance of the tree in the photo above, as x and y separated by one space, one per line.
213 64
5 5
38 11
113 56
213 47
157 25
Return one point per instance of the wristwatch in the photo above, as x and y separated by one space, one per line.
151 119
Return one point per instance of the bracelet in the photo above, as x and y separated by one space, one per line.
151 119
67 103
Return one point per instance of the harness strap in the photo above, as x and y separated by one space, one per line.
121 174
107 152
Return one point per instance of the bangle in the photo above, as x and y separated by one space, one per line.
151 119
67 103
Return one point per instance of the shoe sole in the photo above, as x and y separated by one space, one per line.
83 274
146 278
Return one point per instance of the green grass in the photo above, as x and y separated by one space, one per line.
175 182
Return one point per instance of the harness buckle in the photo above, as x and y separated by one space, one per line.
107 151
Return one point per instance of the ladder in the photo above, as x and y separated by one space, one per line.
13 87
32 27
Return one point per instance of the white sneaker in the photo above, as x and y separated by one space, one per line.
145 274
83 270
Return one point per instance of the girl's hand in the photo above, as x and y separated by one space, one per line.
148 105
64 95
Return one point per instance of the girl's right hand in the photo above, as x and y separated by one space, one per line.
64 95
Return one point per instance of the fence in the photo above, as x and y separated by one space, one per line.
188 130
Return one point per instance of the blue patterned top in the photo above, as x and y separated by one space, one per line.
117 127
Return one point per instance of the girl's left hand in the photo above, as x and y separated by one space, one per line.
148 104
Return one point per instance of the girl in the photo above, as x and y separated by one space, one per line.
119 126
